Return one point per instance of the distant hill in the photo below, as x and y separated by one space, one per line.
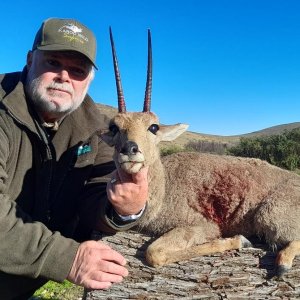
274 130
194 136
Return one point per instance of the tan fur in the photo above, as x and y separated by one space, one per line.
196 200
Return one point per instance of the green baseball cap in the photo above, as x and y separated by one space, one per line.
66 35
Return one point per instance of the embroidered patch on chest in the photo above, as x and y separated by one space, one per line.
83 149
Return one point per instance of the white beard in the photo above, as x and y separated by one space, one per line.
42 100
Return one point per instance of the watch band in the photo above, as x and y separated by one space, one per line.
132 217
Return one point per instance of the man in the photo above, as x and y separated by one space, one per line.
54 170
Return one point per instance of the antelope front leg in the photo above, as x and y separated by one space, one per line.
185 243
285 257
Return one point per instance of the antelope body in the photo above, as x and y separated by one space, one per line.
203 203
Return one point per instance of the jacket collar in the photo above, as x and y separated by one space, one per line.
14 99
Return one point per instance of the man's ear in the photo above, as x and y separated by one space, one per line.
29 59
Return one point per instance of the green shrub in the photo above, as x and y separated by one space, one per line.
282 150
170 150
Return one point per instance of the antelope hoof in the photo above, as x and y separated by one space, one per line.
155 258
281 270
245 243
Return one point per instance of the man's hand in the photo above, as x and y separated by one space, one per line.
97 266
128 193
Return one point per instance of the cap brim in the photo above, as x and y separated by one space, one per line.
58 47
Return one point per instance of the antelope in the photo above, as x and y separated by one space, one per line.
200 204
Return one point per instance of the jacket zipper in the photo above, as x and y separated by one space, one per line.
50 158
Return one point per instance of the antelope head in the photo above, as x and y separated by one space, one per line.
135 135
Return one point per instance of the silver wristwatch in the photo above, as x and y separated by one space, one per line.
131 217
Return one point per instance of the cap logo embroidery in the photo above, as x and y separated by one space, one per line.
73 32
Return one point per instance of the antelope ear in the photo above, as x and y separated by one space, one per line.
171 132
107 137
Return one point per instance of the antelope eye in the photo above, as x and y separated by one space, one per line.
114 129
153 128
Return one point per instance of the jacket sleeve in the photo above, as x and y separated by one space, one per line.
28 248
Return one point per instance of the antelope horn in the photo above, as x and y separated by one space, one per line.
147 101
121 100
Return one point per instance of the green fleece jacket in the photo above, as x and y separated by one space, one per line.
52 190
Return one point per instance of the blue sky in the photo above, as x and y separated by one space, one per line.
224 67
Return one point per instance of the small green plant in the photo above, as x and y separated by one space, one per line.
58 291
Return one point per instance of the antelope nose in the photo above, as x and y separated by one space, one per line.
130 148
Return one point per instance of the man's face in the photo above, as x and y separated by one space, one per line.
57 82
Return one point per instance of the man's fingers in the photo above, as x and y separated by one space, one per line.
106 277
123 176
97 285
140 177
106 274
108 254
112 268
